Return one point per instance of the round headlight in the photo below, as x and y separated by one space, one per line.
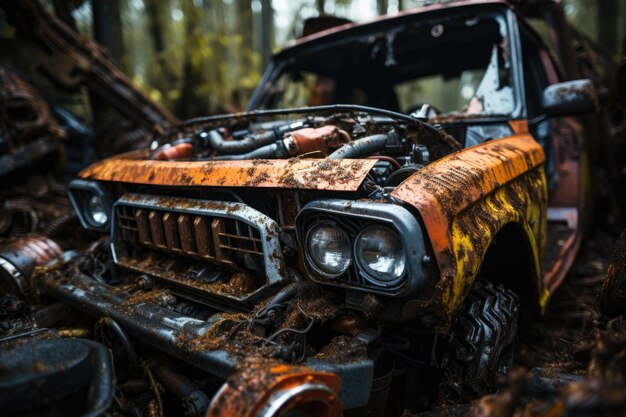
96 211
329 249
379 252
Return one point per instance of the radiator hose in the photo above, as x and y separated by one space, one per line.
361 147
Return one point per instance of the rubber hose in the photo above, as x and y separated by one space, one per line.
361 147
219 144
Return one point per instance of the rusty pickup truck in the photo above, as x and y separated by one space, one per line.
400 199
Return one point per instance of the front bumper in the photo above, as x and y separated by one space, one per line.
164 329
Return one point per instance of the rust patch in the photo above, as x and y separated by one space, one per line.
464 199
519 126
448 186
252 390
310 174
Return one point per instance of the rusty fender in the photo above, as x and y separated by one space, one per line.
465 198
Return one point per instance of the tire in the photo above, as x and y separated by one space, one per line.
481 343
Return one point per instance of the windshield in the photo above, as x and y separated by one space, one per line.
458 64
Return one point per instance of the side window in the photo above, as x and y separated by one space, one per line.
539 72
535 77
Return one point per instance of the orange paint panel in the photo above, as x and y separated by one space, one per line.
519 126
308 174
466 197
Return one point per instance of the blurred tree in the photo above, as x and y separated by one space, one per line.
192 103
164 74
107 28
244 21
267 31
159 16
63 9
608 23
205 56
320 6
382 6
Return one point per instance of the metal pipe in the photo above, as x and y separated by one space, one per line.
266 152
223 146
51 315
361 147
147 322
195 401
165 330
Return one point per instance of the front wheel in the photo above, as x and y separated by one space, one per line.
482 341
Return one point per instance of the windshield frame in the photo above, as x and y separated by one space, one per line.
498 11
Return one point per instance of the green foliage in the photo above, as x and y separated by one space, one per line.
192 56
201 57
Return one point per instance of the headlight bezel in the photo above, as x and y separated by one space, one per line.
80 192
355 216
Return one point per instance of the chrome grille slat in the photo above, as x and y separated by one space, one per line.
230 245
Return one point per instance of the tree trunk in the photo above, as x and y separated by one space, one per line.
63 9
608 17
320 6
202 79
107 28
186 104
245 23
267 32
382 6
157 22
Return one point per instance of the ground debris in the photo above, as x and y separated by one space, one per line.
543 392
578 356
242 337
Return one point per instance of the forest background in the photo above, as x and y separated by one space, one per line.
201 57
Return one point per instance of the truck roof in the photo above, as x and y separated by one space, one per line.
432 6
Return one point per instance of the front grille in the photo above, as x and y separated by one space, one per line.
199 236
214 232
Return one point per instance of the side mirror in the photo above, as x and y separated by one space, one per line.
570 98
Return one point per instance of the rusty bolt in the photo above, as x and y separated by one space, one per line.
145 282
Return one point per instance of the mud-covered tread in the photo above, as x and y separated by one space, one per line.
481 341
